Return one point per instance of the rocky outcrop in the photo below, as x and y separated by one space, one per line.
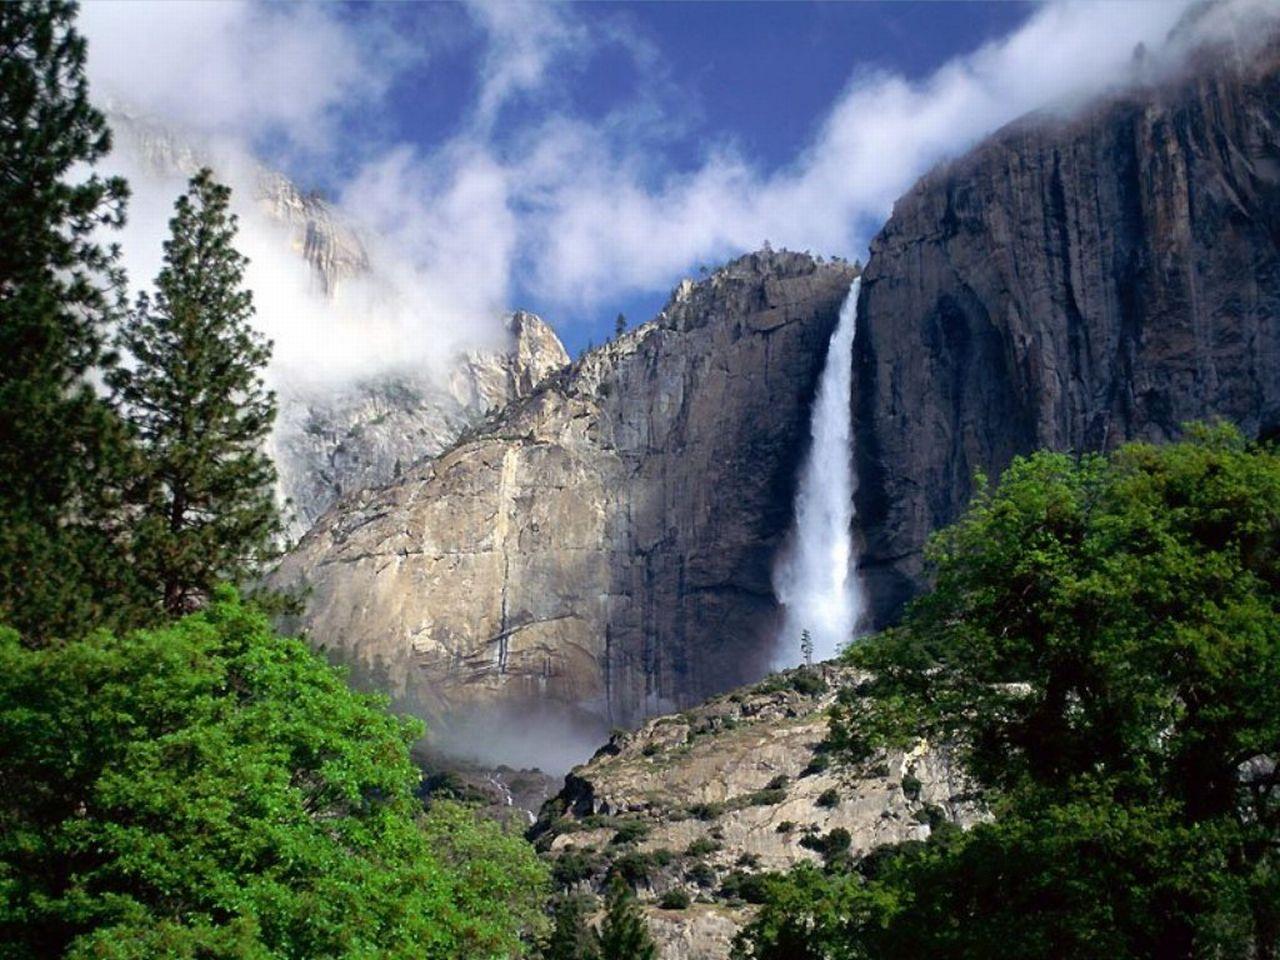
602 547
365 435
1072 283
706 800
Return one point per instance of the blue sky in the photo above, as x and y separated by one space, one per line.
758 75
579 159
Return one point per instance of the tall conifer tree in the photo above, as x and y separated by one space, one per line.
196 396
624 934
63 453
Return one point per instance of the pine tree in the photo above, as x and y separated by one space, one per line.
570 937
200 408
624 934
64 455
806 647
620 325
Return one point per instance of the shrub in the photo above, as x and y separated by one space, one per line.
780 782
751 887
701 874
707 811
702 847
574 866
766 798
629 831
911 786
675 899
820 762
829 798
808 682
786 826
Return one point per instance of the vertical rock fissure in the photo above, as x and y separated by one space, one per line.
502 526
816 580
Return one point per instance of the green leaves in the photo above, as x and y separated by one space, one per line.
210 788
1102 648
196 398
64 455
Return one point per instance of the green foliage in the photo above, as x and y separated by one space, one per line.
751 887
818 764
707 811
624 934
703 846
911 786
619 325
196 398
64 455
677 898
629 831
703 874
806 647
571 938
574 866
212 789
828 798
1102 648
809 916
636 867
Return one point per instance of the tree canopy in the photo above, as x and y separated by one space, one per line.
1101 650
211 789
64 455
202 415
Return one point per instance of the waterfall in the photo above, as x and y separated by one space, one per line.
816 580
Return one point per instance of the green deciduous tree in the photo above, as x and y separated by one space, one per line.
1102 652
196 397
623 933
63 453
210 789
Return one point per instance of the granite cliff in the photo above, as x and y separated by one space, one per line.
601 547
1074 282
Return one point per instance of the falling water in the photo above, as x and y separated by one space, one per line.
816 582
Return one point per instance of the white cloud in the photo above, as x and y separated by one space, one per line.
237 68
582 213
525 40
597 229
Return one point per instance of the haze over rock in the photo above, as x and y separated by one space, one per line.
334 436
603 546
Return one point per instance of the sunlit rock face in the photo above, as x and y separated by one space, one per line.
600 550
337 435
1071 283
332 443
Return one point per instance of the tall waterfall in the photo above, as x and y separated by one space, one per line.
815 580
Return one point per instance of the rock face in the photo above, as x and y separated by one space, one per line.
331 441
704 800
604 545
1072 283
370 433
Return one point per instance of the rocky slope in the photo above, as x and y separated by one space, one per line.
602 548
331 444
707 800
1072 283
333 440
